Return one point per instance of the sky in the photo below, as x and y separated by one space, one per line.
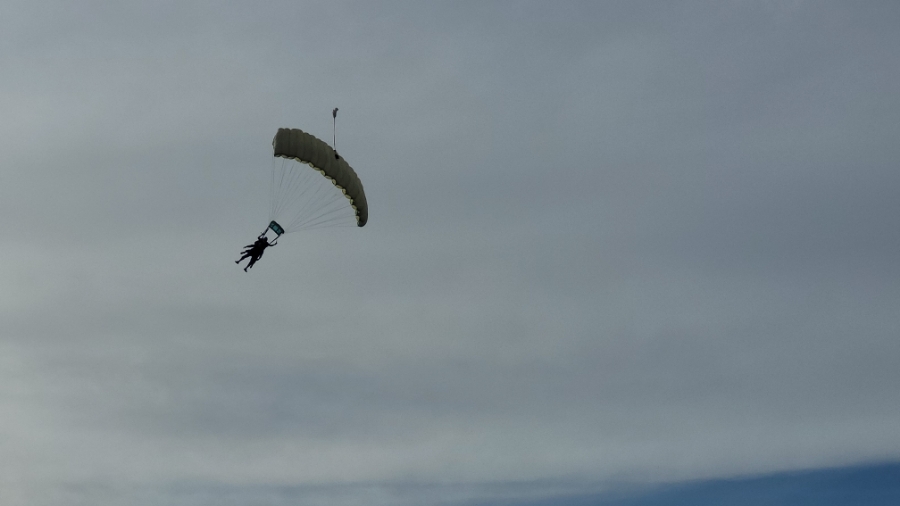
611 246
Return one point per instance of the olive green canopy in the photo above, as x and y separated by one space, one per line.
298 145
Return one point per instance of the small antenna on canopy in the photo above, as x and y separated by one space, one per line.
333 132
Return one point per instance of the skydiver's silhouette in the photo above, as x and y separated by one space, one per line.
255 250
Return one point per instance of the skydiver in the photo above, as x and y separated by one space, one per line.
255 250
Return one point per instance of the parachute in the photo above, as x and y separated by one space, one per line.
312 186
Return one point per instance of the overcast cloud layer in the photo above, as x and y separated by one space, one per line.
608 242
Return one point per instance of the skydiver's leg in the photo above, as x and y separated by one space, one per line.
243 257
252 261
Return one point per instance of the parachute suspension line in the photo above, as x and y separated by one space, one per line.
322 200
331 208
303 198
272 192
280 190
327 213
322 203
293 190
285 182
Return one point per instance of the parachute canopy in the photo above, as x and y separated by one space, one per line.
299 198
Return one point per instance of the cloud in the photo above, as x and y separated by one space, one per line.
606 243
